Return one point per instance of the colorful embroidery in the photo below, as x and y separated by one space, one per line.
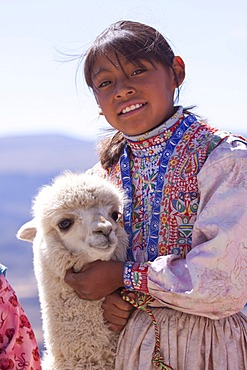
165 227
153 235
135 276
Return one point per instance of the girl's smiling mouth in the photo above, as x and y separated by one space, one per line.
131 108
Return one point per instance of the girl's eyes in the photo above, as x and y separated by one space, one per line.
104 84
138 71
109 82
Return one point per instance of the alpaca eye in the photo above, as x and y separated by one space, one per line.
65 224
115 215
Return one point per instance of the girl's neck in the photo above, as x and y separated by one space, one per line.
158 129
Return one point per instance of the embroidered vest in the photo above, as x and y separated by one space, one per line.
180 195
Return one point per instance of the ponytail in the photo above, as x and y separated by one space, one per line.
110 150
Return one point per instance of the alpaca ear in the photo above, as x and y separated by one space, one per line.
27 231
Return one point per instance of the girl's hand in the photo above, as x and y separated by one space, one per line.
117 311
96 280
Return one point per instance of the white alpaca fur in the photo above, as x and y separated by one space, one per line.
76 337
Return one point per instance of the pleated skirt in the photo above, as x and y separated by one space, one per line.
187 342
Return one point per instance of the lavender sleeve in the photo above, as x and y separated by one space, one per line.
212 280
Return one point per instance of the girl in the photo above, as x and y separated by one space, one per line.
186 217
18 346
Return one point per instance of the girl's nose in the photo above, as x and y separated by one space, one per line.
124 90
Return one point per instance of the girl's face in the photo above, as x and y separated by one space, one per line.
135 99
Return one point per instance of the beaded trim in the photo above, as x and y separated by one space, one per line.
135 276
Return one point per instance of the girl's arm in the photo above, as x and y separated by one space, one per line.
212 280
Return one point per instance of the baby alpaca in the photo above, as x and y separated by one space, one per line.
75 221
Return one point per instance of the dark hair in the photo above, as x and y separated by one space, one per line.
134 41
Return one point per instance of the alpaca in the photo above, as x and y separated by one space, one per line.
75 221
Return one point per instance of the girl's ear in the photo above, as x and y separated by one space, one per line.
99 108
179 69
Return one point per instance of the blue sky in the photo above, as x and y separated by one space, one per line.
38 93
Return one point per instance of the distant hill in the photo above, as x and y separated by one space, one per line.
26 163
45 154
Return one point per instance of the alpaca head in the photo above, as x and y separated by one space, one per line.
80 212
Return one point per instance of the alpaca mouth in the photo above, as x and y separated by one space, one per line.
104 246
103 241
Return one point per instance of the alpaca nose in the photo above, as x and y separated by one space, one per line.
102 226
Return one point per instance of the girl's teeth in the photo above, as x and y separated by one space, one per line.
132 107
